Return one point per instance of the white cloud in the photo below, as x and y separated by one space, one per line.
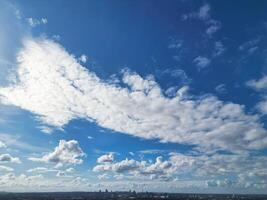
70 170
262 106
252 50
158 170
251 45
204 11
2 144
56 37
171 91
67 152
153 151
15 141
62 174
10 180
8 158
221 89
175 44
202 62
56 88
119 167
6 169
200 167
83 58
59 173
103 176
219 183
260 86
106 158
214 26
176 73
131 153
41 170
204 15
35 22
219 48
139 169
46 129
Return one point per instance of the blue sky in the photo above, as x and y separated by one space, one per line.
141 95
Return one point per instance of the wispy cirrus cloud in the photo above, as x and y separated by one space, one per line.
41 170
203 14
202 62
33 22
16 142
251 45
221 89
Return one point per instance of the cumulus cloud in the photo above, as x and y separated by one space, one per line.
204 167
119 167
106 158
219 183
8 158
57 89
22 182
67 152
10 180
139 169
83 58
158 170
260 84
220 167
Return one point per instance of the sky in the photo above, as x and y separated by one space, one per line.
166 96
